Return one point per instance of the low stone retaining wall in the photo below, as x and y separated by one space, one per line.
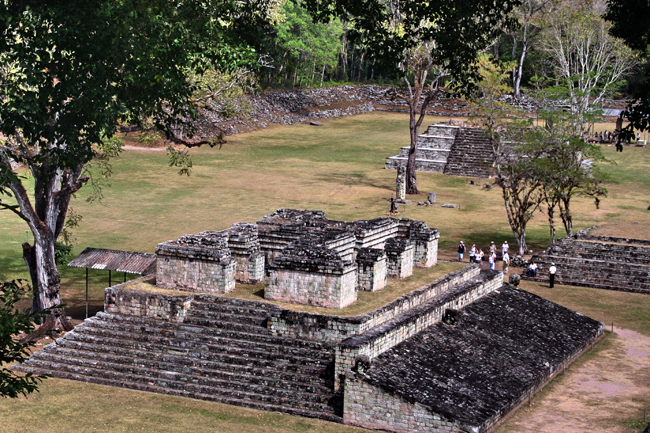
333 329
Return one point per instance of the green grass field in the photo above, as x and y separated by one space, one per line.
337 168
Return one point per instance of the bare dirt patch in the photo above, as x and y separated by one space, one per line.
604 391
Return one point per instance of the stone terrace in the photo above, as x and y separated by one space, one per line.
598 261
469 370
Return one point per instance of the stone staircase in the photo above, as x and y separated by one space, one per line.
432 152
222 352
471 155
452 150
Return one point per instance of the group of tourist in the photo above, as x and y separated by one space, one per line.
476 255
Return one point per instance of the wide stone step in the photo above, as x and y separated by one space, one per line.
162 336
236 361
162 371
241 399
207 351
297 378
139 323
226 324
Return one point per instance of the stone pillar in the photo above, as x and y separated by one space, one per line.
400 191
432 197
400 257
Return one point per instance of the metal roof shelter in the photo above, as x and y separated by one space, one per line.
114 260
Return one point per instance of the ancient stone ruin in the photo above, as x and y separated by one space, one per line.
457 354
449 149
602 262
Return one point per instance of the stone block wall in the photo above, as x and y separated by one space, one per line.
370 407
333 329
425 240
120 300
195 275
249 268
400 258
328 290
196 263
372 269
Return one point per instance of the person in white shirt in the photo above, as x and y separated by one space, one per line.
492 259
551 275
504 248
532 269
506 262
472 254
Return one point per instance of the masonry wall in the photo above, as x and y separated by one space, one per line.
329 290
371 407
333 329
195 274
425 254
120 300
371 277
249 269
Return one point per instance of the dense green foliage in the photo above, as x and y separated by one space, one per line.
15 323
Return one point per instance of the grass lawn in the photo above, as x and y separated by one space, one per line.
336 167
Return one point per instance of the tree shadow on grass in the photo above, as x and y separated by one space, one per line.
352 179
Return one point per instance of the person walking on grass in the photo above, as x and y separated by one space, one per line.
461 251
504 248
493 248
506 262
551 275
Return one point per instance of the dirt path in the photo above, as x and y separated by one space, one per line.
603 392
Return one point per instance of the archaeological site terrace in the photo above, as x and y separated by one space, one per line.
455 355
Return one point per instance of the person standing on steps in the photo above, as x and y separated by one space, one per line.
461 251
551 275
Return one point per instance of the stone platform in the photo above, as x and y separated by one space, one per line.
259 355
602 262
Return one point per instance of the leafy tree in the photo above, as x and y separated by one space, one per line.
587 61
308 49
15 325
71 71
629 19
528 15
409 38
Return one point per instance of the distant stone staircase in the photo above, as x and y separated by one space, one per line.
221 352
471 155
453 150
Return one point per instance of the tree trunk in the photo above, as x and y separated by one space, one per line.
411 178
521 241
46 282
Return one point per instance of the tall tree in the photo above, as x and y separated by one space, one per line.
71 71
587 61
629 20
528 15
408 38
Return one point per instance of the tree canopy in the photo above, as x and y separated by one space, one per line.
72 71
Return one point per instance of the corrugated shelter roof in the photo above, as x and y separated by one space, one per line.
611 112
115 260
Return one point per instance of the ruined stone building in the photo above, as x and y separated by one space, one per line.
453 150
457 354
